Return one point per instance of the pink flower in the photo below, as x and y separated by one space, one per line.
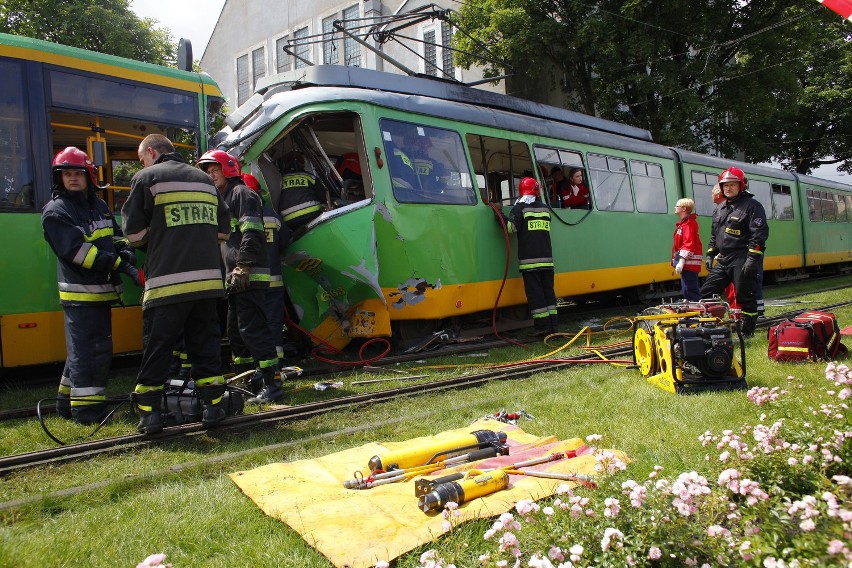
154 561
382 564
654 553
836 546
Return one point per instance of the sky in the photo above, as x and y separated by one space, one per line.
192 19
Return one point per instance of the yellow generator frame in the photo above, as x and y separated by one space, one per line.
688 352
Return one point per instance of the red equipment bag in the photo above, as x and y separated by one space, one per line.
806 337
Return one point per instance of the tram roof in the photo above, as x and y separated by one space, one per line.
280 94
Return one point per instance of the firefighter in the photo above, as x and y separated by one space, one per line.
737 243
176 215
90 253
246 276
301 200
277 238
530 219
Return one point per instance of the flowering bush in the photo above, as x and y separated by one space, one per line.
776 494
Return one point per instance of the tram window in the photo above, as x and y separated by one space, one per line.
828 212
782 202
814 206
502 163
702 192
610 183
650 187
16 168
762 191
841 208
102 96
427 164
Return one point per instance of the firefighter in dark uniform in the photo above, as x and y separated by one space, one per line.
737 242
176 215
90 253
246 276
301 199
277 238
530 219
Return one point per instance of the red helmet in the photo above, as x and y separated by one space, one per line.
72 158
348 166
734 174
529 186
251 182
230 165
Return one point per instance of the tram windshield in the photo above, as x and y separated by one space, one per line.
427 165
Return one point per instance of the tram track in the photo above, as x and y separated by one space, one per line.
69 452
83 450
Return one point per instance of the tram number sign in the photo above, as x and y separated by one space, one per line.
309 265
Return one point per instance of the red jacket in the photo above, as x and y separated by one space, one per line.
687 244
578 201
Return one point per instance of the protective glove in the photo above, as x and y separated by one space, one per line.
126 268
128 256
238 279
751 265
708 259
679 265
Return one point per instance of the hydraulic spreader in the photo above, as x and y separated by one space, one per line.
690 347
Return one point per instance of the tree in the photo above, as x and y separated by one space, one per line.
106 26
759 79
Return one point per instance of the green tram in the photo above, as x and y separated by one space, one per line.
54 96
391 257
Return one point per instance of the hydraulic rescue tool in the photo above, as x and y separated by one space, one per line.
463 490
689 347
443 448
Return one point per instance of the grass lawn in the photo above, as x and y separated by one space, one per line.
176 499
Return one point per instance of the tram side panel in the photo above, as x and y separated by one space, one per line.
827 225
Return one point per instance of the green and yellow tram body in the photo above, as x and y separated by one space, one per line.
55 96
392 259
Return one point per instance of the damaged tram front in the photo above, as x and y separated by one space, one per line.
389 255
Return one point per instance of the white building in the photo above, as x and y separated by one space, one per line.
249 40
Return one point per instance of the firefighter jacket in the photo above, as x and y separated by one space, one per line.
247 243
739 225
277 237
532 223
300 197
175 214
687 244
81 230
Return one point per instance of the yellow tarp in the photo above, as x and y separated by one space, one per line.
357 528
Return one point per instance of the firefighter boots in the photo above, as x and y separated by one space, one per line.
749 322
150 423
213 414
271 391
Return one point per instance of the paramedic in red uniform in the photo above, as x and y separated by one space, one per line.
686 252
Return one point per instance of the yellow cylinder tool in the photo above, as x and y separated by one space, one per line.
445 447
464 490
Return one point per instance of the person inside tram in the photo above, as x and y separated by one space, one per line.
349 168
411 165
558 186
578 192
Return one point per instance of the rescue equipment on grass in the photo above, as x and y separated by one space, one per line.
810 336
689 347
183 405
447 447
463 490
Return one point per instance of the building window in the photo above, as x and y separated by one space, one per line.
258 65
446 52
303 50
243 84
282 58
329 50
351 49
430 53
